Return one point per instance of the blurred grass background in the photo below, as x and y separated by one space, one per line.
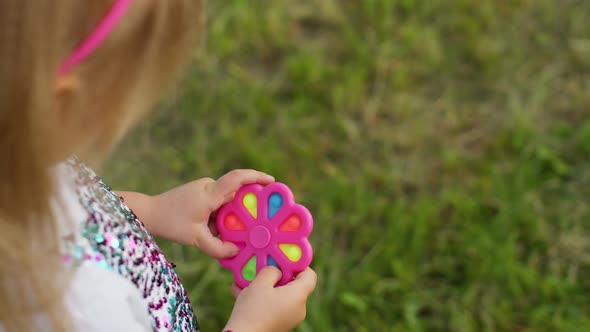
442 146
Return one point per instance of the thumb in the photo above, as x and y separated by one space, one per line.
213 246
306 281
268 276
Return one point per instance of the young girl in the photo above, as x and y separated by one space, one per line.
74 255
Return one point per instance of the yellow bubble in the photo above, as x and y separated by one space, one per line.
251 204
292 251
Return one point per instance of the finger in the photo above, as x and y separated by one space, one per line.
235 290
267 277
228 197
305 281
233 180
214 246
216 206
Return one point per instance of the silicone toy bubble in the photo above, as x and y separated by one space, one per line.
269 228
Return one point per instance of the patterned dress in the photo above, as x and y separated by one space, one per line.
113 238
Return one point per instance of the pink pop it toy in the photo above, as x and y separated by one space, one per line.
269 228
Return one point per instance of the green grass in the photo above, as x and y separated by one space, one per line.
443 148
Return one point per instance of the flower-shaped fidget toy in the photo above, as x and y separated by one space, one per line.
269 228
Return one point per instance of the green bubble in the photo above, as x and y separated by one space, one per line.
249 270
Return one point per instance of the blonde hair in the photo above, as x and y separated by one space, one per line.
114 87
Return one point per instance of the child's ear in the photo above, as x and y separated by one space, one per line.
66 118
66 91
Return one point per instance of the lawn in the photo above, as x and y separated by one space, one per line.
443 148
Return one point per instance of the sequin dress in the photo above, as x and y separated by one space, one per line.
114 239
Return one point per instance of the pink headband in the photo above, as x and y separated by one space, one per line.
97 37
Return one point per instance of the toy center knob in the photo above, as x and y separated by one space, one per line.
259 237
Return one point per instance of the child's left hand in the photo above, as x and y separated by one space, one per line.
186 213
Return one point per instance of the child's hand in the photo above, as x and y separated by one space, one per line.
261 307
186 214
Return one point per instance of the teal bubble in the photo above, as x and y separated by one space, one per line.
272 262
274 204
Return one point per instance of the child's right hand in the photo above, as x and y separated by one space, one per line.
261 307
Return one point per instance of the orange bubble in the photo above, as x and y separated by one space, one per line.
291 225
234 223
